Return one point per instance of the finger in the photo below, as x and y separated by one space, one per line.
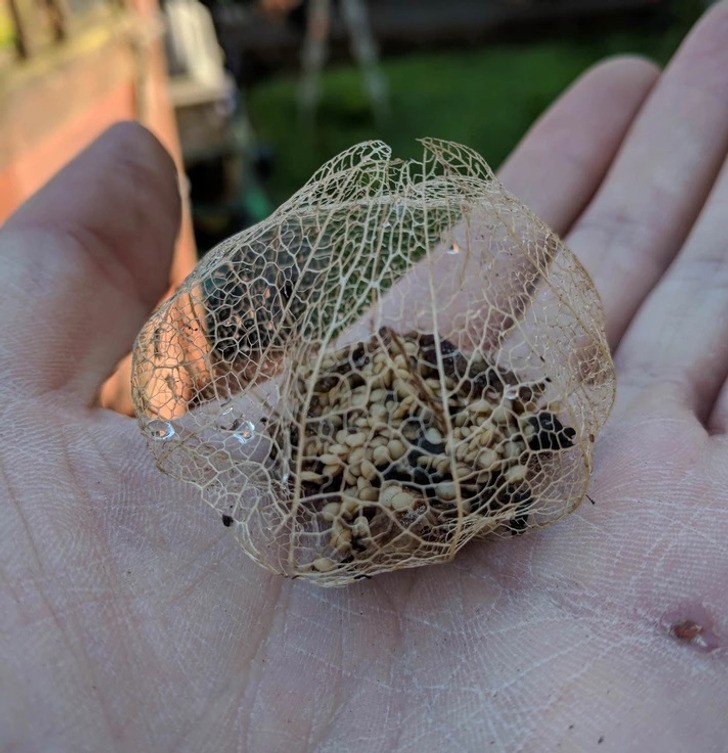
643 212
115 393
554 170
85 260
680 335
562 160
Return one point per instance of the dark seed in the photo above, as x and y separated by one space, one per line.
518 525
359 356
550 434
430 447
227 521
522 500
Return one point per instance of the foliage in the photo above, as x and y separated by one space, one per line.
485 97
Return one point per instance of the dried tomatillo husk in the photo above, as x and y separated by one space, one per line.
400 359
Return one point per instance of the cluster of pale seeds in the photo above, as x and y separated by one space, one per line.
403 439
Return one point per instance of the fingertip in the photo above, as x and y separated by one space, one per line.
92 250
562 160
622 70
141 162
120 197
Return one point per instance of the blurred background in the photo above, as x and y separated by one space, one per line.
252 95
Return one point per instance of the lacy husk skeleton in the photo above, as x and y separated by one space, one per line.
400 359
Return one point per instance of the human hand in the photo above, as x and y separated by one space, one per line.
129 621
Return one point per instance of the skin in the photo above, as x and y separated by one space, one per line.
130 620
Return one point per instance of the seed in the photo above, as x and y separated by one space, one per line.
310 476
516 473
368 471
402 388
388 493
333 470
378 411
433 436
512 449
487 458
377 396
330 510
396 449
329 459
485 436
404 408
340 538
349 478
357 455
359 400
341 436
323 564
446 491
349 506
375 382
313 446
478 359
355 440
368 494
380 455
360 527
480 406
403 501
502 413
443 464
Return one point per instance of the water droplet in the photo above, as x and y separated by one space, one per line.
159 430
510 392
245 433
227 420
454 248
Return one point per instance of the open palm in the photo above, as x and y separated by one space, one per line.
130 620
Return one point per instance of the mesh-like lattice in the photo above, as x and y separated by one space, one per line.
401 358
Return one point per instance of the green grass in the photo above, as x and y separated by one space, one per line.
485 98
